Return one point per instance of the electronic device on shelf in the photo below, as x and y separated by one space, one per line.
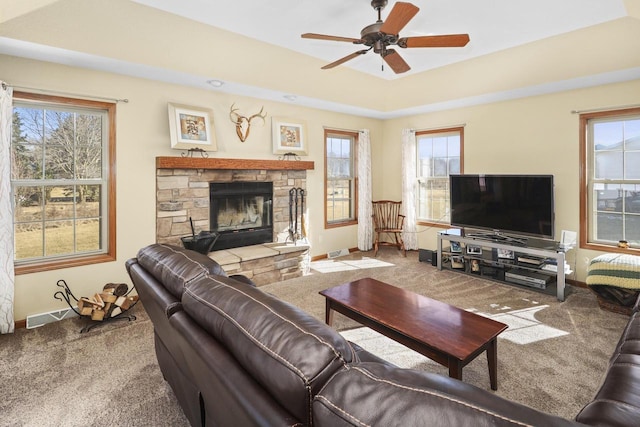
529 260
499 205
527 278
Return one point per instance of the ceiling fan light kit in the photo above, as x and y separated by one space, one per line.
382 34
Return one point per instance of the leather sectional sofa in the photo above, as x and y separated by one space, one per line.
237 356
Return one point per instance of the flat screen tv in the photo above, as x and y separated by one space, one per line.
503 204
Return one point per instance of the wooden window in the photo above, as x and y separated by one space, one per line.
340 178
439 154
610 179
63 182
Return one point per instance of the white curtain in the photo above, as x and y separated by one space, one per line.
6 213
365 224
409 188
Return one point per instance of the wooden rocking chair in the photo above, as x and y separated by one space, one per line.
387 220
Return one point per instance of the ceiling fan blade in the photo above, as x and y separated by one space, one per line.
331 38
400 16
345 59
395 61
451 40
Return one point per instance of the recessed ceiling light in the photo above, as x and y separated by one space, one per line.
291 97
215 83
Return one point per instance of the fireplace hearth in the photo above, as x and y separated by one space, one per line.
241 212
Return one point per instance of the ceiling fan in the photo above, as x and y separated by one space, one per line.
380 35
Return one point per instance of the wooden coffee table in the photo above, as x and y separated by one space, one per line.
441 332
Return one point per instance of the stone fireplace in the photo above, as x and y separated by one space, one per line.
184 187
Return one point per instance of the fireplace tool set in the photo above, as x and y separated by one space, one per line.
297 230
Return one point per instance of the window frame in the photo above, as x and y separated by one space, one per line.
586 169
460 130
354 181
52 263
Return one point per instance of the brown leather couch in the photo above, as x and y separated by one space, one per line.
237 356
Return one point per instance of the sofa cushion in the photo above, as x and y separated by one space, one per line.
174 266
289 352
377 394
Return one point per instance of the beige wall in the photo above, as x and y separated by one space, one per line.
537 135
143 134
531 135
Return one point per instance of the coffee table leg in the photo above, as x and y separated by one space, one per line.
455 369
492 359
328 313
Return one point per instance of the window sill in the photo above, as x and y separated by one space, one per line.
610 248
340 224
64 263
433 224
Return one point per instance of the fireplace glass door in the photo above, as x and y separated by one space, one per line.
242 213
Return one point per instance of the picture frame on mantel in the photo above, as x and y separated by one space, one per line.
191 128
289 136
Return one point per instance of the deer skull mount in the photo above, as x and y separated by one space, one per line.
243 124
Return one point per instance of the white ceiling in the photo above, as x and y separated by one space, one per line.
492 25
518 48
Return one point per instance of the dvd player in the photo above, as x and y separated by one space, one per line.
527 278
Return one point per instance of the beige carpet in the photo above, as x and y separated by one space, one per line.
54 376
551 358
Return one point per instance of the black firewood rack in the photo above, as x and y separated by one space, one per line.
67 296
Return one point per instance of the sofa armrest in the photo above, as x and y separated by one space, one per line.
243 279
396 396
363 355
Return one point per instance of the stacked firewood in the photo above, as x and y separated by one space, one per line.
112 301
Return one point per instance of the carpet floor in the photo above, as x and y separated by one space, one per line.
552 357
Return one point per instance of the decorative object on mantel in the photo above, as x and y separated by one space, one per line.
191 129
190 151
297 231
289 156
243 124
289 136
110 304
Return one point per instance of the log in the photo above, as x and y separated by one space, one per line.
84 308
118 289
108 297
97 314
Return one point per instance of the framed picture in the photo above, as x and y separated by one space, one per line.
474 250
191 128
455 247
505 254
457 262
289 136
475 266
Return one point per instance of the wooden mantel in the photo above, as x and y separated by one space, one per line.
217 163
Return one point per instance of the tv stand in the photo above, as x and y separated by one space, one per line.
533 264
497 236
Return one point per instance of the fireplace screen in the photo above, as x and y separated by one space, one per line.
242 213
237 213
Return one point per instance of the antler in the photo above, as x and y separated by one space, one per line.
233 112
241 120
259 114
